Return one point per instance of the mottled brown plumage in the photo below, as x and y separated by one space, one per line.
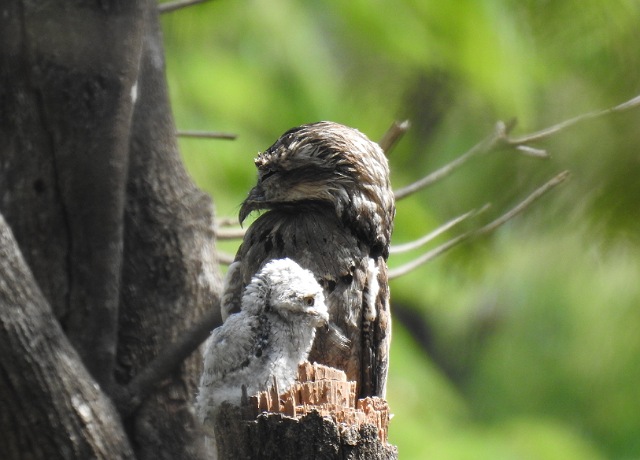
330 208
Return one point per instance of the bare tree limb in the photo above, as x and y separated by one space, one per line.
400 248
547 132
206 134
556 180
230 234
499 138
177 5
408 267
532 151
169 359
393 135
227 222
225 258
486 145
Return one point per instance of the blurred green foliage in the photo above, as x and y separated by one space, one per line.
532 332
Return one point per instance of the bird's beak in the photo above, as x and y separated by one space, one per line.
254 201
321 318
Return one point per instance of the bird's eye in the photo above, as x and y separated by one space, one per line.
309 301
267 173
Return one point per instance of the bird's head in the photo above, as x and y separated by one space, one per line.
330 164
286 289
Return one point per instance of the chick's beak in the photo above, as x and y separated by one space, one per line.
321 317
253 202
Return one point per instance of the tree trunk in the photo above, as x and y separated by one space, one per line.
170 273
119 240
50 407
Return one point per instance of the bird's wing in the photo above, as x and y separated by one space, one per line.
231 346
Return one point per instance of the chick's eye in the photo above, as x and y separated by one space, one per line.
309 301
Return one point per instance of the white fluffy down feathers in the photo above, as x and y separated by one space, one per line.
267 339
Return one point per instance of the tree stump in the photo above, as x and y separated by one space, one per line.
319 417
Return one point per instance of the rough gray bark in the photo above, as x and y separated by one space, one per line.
82 107
170 273
50 407
278 437
119 240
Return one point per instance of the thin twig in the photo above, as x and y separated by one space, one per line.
227 221
230 234
547 132
207 135
393 135
224 258
177 5
400 248
532 151
141 386
426 257
483 146
500 138
553 182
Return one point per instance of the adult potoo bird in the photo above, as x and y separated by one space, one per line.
281 308
330 208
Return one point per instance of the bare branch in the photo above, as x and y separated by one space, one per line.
532 151
500 138
230 234
556 180
547 132
179 4
399 248
141 386
225 258
426 257
207 135
483 146
227 221
393 135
